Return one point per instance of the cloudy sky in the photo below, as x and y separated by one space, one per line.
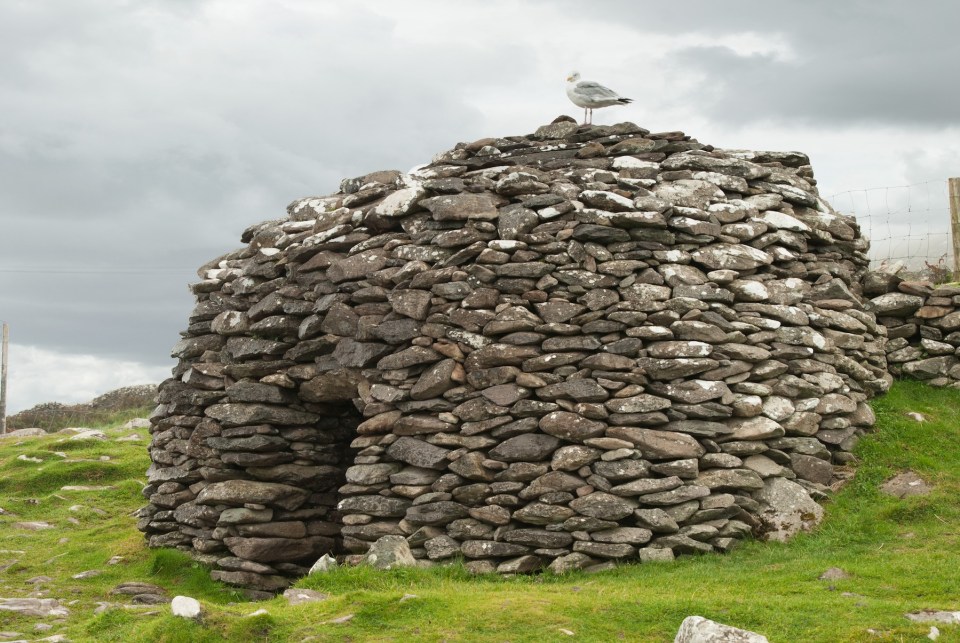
139 138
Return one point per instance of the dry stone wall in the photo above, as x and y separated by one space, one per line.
923 326
583 345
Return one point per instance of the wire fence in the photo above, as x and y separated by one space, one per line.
906 224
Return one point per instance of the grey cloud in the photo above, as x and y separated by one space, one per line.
832 88
120 316
855 62
139 140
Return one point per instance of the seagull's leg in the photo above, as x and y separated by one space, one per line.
584 115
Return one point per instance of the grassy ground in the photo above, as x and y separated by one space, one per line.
902 556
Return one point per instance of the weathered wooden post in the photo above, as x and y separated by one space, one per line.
954 188
3 379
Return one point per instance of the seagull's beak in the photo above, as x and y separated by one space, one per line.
569 78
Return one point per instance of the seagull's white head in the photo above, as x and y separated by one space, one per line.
573 77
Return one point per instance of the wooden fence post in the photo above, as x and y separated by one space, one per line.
3 378
954 188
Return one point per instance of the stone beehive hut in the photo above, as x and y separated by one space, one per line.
581 345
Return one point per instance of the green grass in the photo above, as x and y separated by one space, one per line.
902 555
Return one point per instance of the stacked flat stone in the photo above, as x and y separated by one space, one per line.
923 327
584 345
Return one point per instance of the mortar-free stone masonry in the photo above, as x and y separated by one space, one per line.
582 345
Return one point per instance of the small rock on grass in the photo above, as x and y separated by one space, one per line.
697 629
297 596
324 564
141 593
42 607
905 484
834 573
341 619
935 616
38 580
88 434
185 607
33 525
148 599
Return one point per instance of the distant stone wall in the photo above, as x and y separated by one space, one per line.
923 326
52 416
586 344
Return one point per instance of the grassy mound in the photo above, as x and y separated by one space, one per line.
901 556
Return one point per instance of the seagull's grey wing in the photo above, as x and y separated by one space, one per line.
595 91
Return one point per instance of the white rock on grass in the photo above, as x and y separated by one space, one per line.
324 564
42 607
185 607
935 616
89 434
697 629
33 525
296 596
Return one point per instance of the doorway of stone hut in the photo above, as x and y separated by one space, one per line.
306 521
333 449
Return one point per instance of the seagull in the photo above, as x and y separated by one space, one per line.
589 94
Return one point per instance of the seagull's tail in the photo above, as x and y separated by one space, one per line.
624 101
